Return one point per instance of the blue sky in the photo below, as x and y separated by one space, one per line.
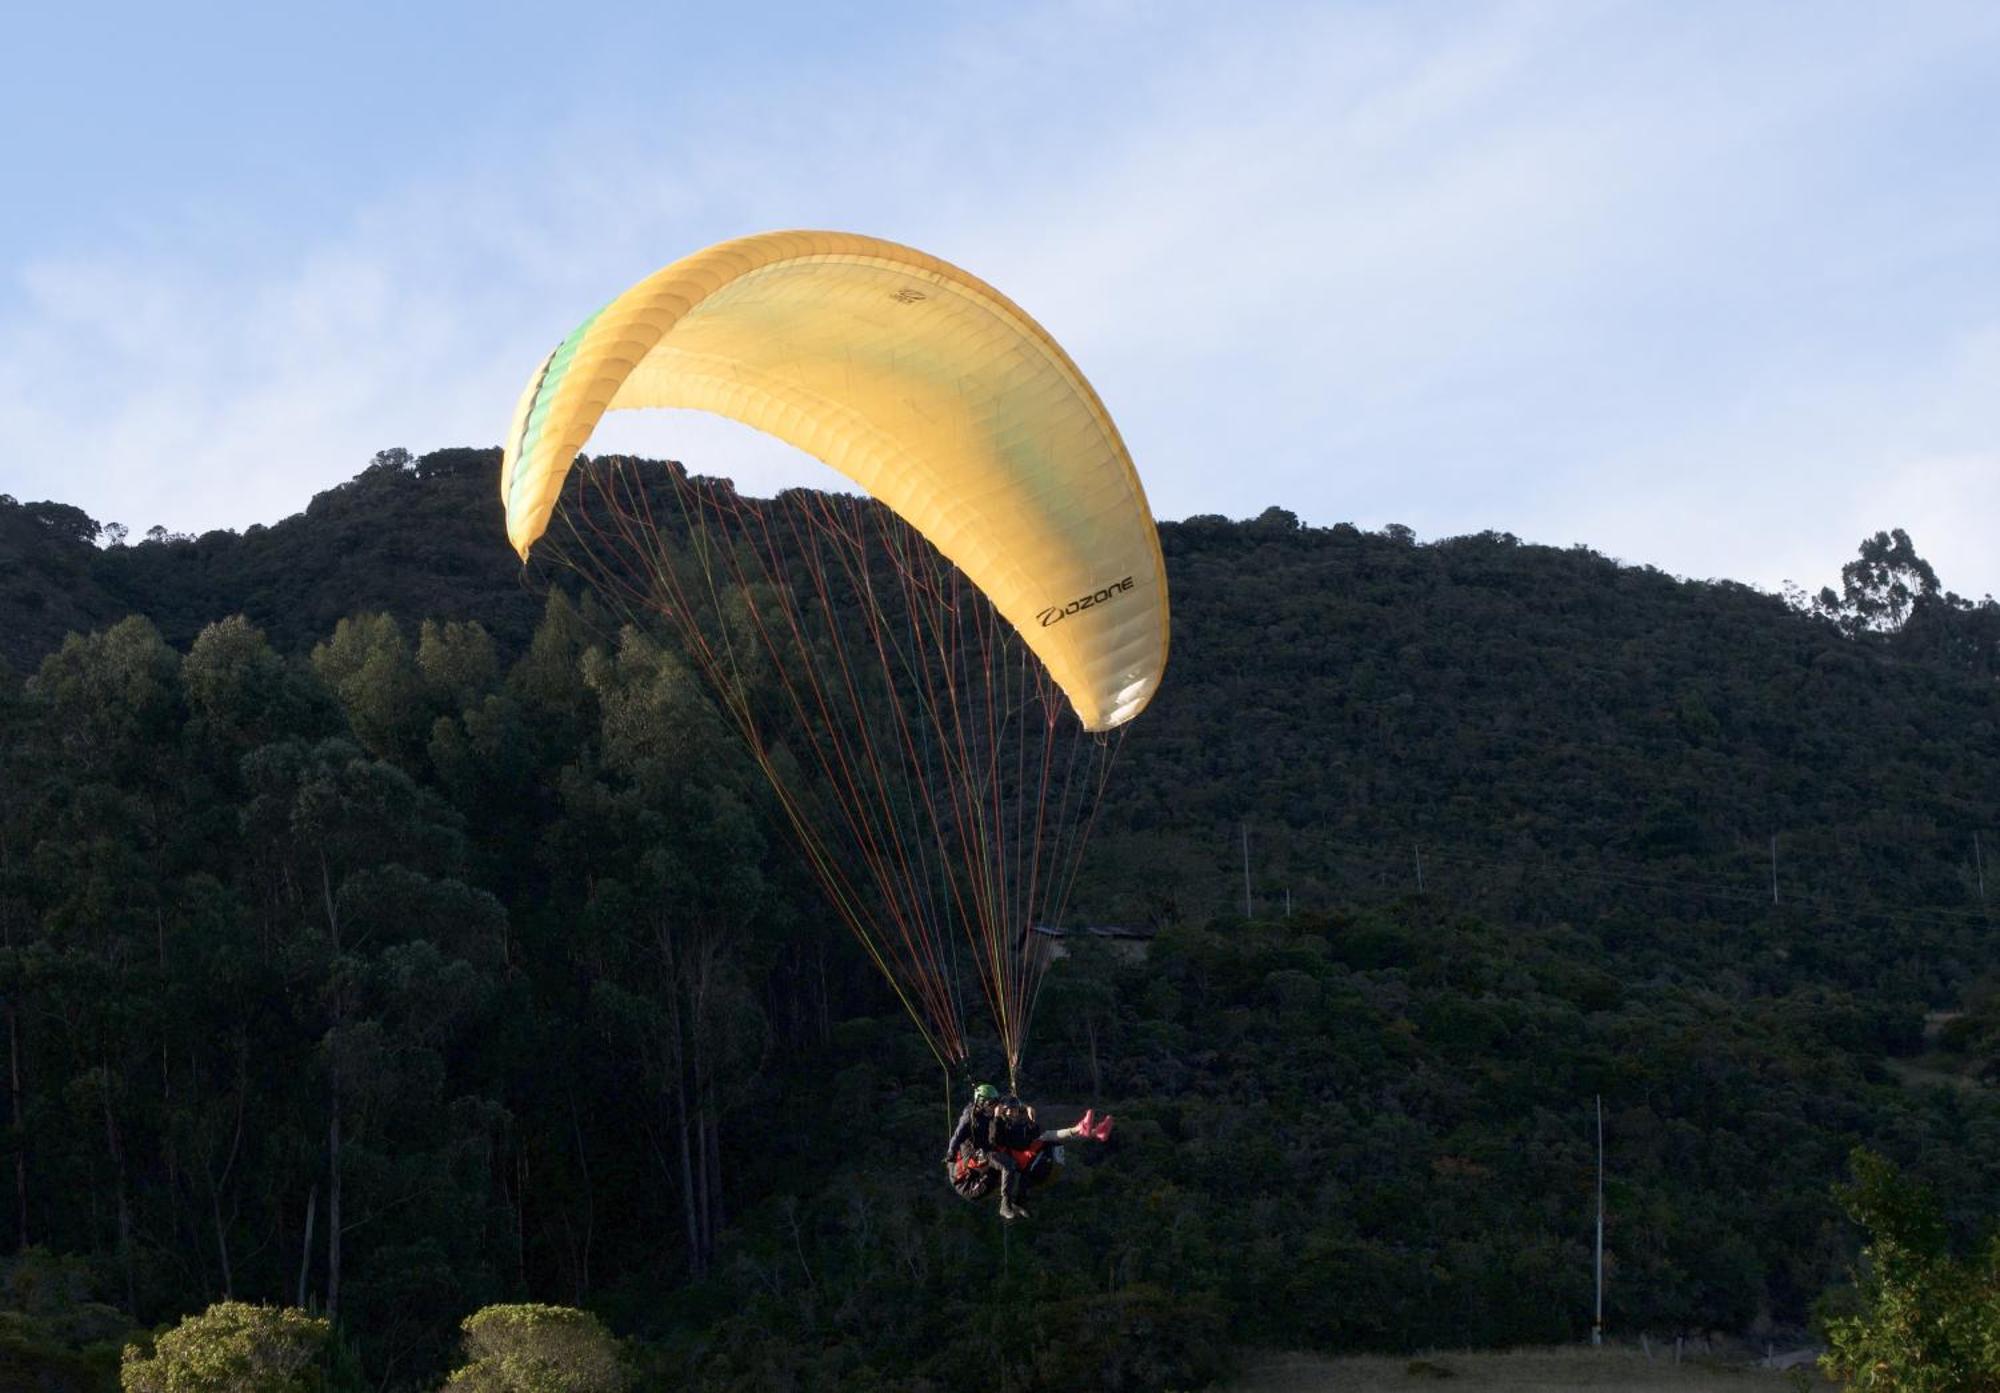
1714 287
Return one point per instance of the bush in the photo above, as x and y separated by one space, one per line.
234 1347
537 1349
53 1337
1926 1322
31 1357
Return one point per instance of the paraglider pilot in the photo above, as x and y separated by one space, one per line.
999 1135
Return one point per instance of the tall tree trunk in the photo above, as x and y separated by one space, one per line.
168 1154
694 1196
698 1056
825 1003
333 1120
221 1243
703 1234
589 1203
521 1216
714 1180
696 1263
117 1149
20 1129
333 1213
306 1252
217 1186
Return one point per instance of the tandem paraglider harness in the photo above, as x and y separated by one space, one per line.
1040 1162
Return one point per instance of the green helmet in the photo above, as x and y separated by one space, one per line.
986 1093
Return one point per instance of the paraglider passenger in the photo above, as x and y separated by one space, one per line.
1001 1135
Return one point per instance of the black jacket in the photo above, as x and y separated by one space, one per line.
1018 1135
973 1126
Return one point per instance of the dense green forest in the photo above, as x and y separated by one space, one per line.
382 932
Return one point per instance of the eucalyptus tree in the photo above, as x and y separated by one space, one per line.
352 860
669 917
112 854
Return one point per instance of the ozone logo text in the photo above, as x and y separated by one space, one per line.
1055 614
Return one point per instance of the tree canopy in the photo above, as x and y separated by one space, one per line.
382 938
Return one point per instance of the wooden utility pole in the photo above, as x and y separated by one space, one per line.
1597 1323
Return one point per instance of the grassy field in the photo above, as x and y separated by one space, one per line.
1612 1369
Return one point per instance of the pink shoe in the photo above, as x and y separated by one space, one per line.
1084 1124
1102 1131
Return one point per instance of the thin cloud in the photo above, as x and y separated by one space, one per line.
1586 273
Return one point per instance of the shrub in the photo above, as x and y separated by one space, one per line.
1926 1321
234 1347
537 1349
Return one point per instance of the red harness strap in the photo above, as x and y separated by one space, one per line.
968 1160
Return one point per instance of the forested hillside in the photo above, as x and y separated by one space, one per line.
382 933
410 537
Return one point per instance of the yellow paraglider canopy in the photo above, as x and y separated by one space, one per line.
921 383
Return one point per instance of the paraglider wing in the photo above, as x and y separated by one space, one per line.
925 386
